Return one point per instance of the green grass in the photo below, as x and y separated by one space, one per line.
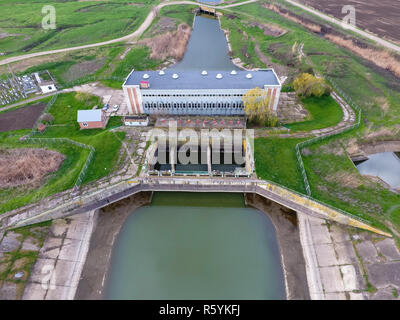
369 86
106 144
335 180
77 23
23 260
276 161
323 112
64 178
138 59
67 71
181 13
374 90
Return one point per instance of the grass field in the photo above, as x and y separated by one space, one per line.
375 90
106 144
332 175
64 178
276 161
324 112
335 180
77 23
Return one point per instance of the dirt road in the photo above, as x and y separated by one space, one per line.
133 36
367 35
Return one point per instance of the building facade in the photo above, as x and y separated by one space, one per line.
196 92
92 119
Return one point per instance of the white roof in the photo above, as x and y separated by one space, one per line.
89 115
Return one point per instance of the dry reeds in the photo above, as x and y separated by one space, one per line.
169 44
313 27
27 166
381 58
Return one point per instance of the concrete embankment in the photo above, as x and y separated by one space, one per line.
57 270
287 232
109 223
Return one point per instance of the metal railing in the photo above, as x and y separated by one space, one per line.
320 138
45 110
89 159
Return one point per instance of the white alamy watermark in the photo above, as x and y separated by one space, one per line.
49 20
190 146
350 16
49 279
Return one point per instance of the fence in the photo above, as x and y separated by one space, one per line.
45 110
303 144
89 159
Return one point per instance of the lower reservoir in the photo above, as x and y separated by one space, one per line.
196 246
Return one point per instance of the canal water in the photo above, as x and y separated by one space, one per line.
207 48
196 246
385 165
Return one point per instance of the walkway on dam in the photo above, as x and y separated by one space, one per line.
113 193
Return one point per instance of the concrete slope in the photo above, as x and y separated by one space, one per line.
117 192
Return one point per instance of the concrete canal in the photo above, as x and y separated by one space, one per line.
385 165
207 48
196 246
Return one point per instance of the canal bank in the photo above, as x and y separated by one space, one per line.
286 226
109 223
215 261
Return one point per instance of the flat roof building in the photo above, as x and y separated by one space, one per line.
90 119
196 92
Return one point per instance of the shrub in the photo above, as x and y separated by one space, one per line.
82 96
47 118
308 85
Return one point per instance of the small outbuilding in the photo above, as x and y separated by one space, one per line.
47 86
91 119
41 127
135 121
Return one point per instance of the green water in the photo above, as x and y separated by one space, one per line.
196 246
207 48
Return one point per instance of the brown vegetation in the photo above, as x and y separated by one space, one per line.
380 58
269 29
311 26
170 44
27 166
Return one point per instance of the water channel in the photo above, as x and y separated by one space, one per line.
385 165
197 245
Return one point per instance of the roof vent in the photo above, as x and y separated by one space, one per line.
161 73
146 76
249 76
175 76
233 72
219 76
204 72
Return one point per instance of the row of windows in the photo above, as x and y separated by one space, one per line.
192 105
192 95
